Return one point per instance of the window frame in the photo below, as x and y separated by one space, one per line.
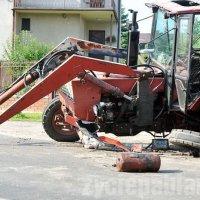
29 23
191 21
153 33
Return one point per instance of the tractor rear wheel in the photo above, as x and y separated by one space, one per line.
186 138
54 124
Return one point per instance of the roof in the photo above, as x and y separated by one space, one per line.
175 8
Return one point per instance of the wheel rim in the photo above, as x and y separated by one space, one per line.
60 126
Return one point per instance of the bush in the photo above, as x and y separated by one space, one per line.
22 52
25 48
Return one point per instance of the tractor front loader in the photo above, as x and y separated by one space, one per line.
160 94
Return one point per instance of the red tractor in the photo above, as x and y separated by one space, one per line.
160 94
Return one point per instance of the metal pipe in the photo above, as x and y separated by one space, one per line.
30 78
138 162
14 21
133 41
111 32
119 27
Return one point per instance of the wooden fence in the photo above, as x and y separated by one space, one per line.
10 71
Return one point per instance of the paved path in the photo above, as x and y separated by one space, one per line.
32 166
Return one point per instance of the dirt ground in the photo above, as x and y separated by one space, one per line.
32 166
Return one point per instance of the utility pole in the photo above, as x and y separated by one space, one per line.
119 27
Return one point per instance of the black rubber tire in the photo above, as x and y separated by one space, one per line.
190 139
48 114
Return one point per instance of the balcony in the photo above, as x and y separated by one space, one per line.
104 7
65 4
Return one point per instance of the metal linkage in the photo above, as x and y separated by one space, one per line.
57 56
67 71
30 78
115 91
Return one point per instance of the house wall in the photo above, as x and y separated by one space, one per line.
72 25
100 25
6 20
53 28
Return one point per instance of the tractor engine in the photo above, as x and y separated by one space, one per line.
116 115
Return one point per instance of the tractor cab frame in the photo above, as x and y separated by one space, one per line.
175 40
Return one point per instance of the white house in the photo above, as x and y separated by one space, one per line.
53 20
6 23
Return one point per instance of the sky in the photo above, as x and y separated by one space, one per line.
143 11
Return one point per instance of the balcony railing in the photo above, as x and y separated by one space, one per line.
65 4
97 3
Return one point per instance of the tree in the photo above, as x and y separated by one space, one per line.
124 28
196 33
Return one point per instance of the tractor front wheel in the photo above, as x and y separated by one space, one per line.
54 124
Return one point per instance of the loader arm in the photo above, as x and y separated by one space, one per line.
66 72
67 47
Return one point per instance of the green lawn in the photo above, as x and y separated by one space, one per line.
34 117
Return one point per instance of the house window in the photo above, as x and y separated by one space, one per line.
99 37
25 24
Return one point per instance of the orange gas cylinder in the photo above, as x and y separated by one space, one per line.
138 162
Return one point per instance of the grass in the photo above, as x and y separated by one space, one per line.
30 117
